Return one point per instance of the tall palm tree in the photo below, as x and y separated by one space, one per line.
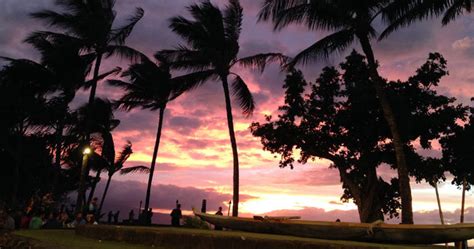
211 50
68 70
349 21
89 23
150 87
116 164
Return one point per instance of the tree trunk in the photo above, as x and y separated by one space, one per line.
463 199
94 185
95 79
153 160
57 156
462 244
402 167
85 168
370 202
104 194
82 185
439 203
233 142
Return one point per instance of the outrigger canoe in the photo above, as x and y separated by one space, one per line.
366 232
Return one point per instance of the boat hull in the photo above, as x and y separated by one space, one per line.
381 233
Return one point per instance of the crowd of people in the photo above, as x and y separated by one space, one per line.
42 213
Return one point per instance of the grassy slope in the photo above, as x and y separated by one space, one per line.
67 239
313 243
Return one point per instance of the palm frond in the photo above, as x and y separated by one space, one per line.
108 147
233 20
114 71
54 37
336 42
124 155
271 8
192 32
124 52
321 14
135 169
72 6
455 10
121 84
30 71
191 81
183 58
64 21
403 13
260 61
243 95
119 35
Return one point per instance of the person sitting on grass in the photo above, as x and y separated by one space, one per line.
91 219
52 222
63 218
6 221
37 220
77 221
176 216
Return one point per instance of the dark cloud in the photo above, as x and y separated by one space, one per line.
126 195
183 125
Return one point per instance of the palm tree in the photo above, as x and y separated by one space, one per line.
211 50
89 23
150 87
116 164
348 20
97 119
67 70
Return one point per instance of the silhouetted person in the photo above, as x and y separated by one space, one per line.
109 217
219 212
116 217
176 216
149 215
78 220
93 208
52 222
131 216
338 220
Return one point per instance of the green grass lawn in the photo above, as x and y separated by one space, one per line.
59 239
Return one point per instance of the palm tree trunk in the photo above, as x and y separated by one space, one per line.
85 170
402 167
94 185
57 156
439 203
104 194
462 244
82 185
153 160
233 142
95 79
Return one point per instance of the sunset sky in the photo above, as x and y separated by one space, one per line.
194 160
